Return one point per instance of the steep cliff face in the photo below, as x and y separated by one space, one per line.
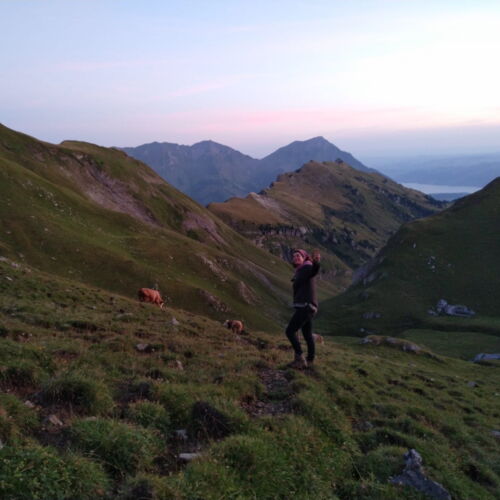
348 214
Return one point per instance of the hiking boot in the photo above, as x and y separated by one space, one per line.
299 363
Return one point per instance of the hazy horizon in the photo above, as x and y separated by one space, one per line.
374 77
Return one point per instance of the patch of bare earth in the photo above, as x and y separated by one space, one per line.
277 399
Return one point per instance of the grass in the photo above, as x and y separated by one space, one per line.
343 432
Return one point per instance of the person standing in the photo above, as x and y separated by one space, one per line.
305 304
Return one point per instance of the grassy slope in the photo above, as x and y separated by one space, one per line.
349 214
141 231
70 349
452 255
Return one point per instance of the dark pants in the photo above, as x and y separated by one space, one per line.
302 319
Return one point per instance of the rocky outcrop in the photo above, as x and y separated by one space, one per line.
414 476
443 307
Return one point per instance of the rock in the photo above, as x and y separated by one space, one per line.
409 347
413 476
29 404
485 357
175 322
54 420
472 384
176 364
371 315
142 347
431 312
181 434
443 307
187 457
391 340
496 434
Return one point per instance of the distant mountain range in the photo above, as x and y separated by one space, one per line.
211 172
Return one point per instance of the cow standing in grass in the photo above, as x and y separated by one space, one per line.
234 325
150 295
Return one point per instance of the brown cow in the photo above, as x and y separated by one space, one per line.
318 338
150 295
234 325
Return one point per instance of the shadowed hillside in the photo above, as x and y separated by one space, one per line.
96 215
346 213
452 255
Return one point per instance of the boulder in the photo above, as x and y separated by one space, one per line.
413 475
485 357
443 307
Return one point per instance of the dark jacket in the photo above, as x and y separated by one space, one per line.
304 288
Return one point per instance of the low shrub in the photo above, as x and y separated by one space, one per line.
121 447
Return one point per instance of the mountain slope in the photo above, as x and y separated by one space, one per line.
98 216
349 214
206 171
292 156
96 402
211 172
452 255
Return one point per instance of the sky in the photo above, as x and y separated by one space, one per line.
375 77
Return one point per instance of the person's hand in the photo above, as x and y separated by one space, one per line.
316 256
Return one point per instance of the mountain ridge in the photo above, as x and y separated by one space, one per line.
209 171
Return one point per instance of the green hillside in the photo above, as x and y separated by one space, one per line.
101 395
95 215
346 213
452 255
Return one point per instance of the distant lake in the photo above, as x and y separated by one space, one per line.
435 188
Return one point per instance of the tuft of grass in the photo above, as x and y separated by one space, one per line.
85 394
150 415
38 473
122 448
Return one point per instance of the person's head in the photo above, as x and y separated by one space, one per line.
299 256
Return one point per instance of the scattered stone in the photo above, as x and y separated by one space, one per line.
29 404
443 307
181 434
187 457
54 420
142 347
472 384
371 315
413 475
177 365
409 347
485 357
175 322
363 425
8 278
